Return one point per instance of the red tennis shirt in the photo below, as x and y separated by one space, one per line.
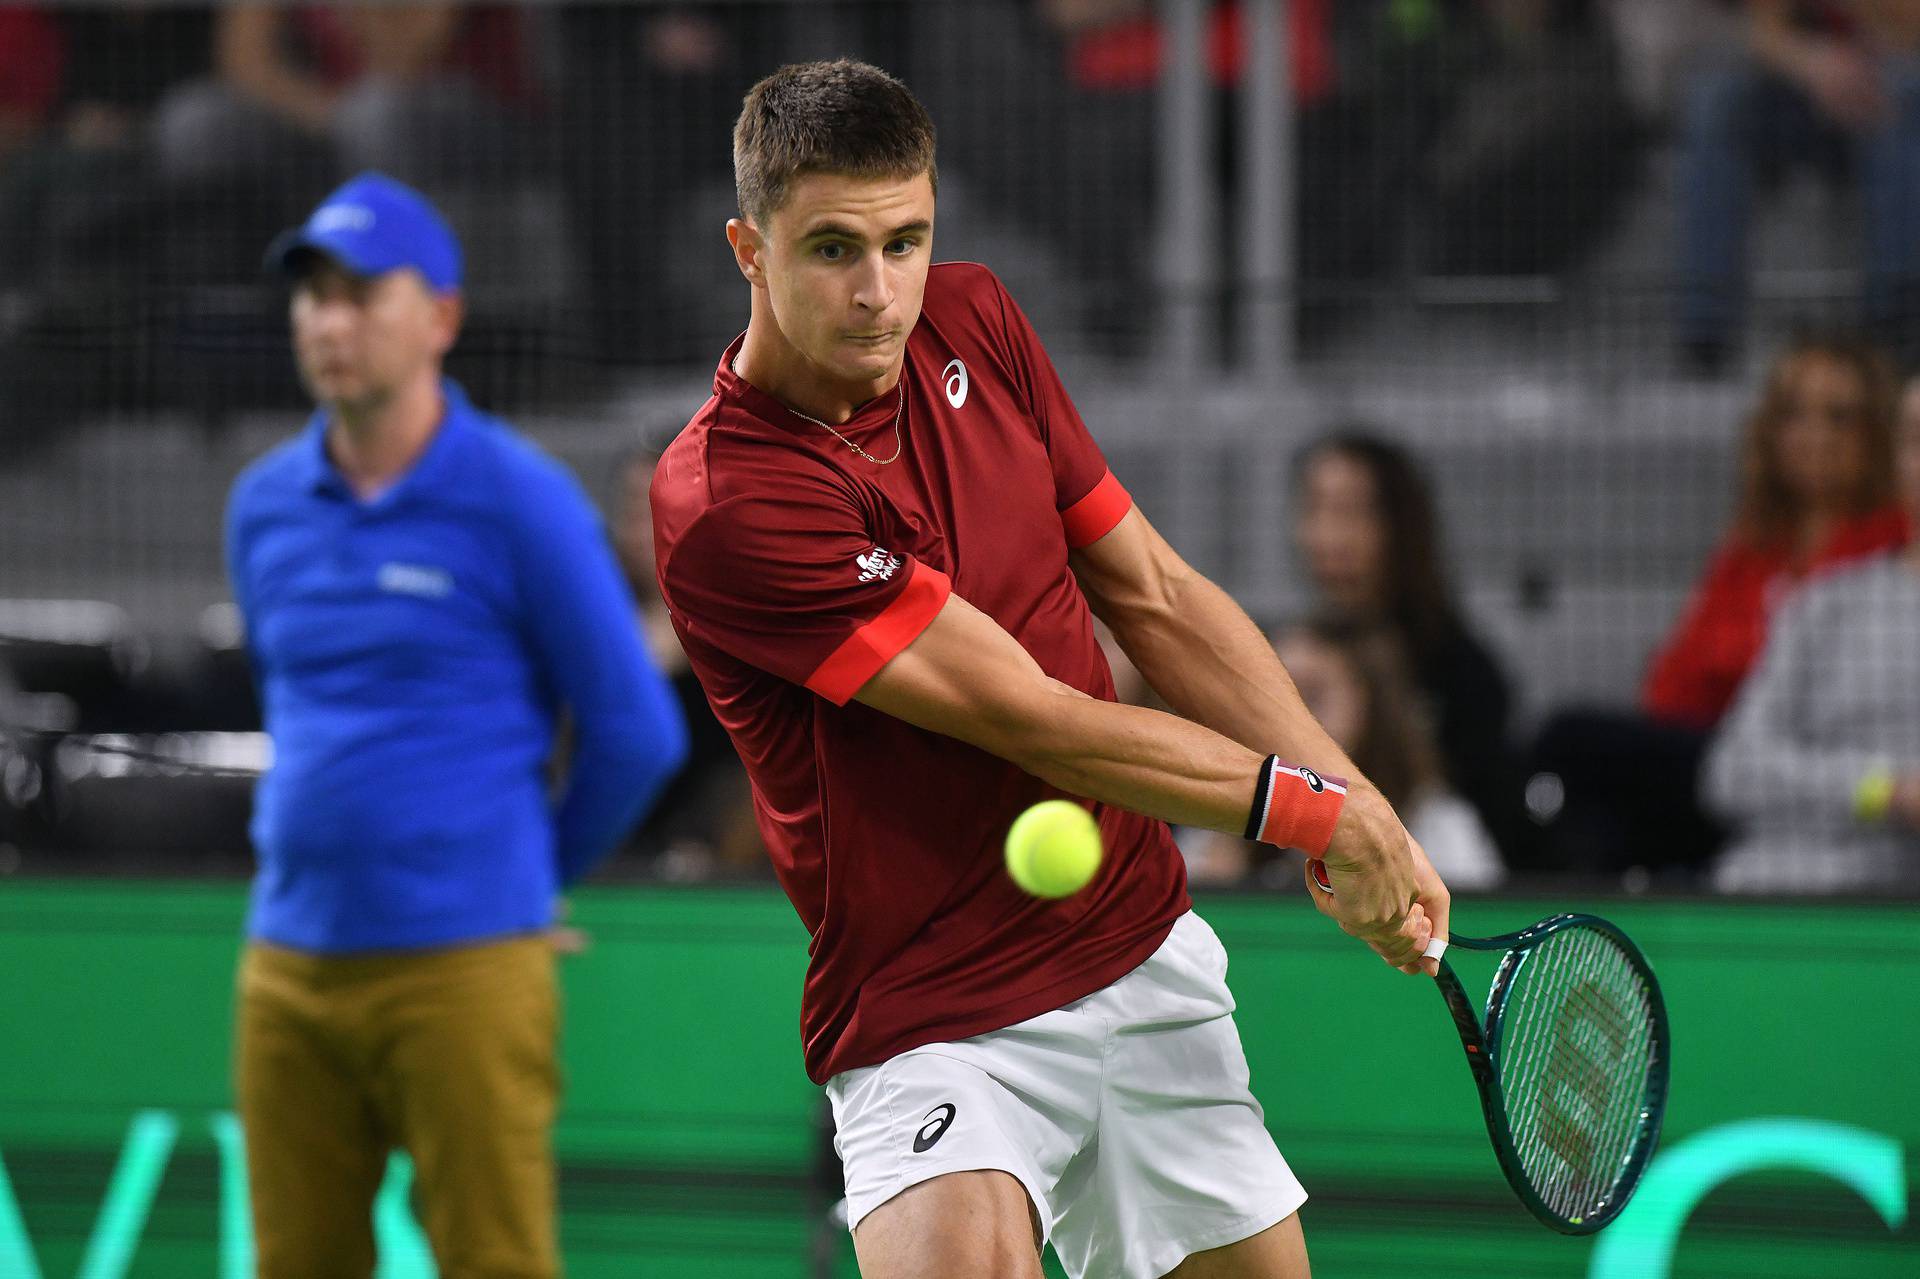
794 570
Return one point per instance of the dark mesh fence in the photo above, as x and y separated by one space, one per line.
1550 248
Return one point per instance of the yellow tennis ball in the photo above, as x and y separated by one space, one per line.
1053 848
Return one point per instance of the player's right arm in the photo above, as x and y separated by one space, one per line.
967 678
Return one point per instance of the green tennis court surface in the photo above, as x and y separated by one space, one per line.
691 1143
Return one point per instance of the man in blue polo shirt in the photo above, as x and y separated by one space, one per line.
424 595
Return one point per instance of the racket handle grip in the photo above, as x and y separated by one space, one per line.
1436 947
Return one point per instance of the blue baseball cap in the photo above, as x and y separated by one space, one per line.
370 226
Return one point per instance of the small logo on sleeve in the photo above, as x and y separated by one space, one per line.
954 379
878 564
935 1128
422 580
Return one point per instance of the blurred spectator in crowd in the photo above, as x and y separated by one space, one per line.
1357 686
30 67
646 154
1495 133
1833 83
703 825
1540 147
1818 763
1661 42
1093 88
1369 536
1815 493
64 206
32 55
121 59
431 93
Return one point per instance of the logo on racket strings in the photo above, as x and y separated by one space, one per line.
1589 1033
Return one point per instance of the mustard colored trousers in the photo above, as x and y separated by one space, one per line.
448 1054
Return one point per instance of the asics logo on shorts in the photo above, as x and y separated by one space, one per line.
934 1129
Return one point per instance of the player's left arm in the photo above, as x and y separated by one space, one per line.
1201 652
1195 646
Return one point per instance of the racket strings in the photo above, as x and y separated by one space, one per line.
1583 1099
1590 1087
1545 1129
1626 1080
1613 1087
1590 1072
1574 1067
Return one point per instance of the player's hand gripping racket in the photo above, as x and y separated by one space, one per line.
1571 1062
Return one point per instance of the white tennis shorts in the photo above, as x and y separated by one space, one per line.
1126 1115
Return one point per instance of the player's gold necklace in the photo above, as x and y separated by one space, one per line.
899 443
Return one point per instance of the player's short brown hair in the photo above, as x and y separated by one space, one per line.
842 117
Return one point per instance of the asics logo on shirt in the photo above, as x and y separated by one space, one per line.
877 563
954 378
934 1129
422 580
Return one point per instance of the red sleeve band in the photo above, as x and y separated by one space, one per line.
1295 807
860 657
1093 516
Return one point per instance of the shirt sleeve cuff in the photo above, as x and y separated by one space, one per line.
876 643
1093 516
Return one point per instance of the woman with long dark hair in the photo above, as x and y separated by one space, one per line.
1369 537
1357 686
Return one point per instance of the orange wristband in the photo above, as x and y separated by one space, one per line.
1295 807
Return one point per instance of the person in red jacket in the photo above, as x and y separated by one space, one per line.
1816 493
31 58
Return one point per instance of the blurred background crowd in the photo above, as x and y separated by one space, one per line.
1535 370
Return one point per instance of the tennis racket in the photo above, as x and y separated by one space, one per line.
1571 1060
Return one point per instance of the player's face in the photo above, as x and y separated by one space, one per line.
1328 684
1340 532
846 268
1907 448
1820 445
359 339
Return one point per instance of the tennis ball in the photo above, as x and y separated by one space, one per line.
1053 848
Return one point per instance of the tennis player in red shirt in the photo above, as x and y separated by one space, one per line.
883 541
